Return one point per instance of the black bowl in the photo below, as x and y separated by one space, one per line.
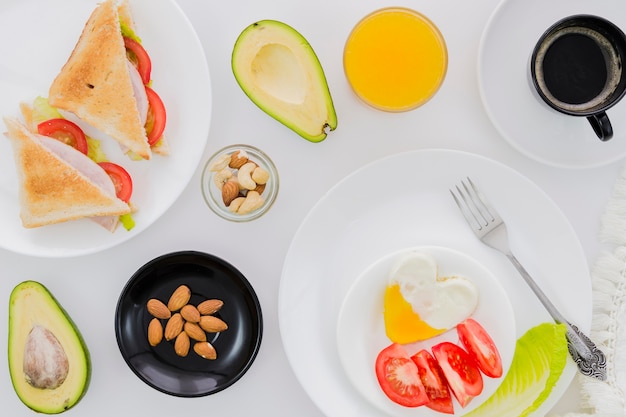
208 277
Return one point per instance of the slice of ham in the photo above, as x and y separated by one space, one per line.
139 90
88 168
108 222
79 161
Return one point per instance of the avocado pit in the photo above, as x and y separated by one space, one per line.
45 363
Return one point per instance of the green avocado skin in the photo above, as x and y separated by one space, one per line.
286 112
34 296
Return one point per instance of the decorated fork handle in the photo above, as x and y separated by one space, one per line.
590 360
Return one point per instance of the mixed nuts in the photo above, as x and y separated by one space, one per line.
241 181
185 323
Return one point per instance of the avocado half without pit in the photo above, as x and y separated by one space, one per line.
49 362
278 70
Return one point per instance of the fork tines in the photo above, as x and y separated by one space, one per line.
473 205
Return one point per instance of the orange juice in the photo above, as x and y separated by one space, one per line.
395 59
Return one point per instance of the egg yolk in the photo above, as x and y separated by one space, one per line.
402 324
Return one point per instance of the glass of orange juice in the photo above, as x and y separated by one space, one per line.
395 59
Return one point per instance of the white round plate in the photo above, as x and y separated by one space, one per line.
40 37
361 328
367 216
512 104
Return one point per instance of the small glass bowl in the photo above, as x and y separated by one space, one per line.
213 194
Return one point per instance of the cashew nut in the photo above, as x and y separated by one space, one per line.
244 176
236 204
220 163
252 202
221 177
260 175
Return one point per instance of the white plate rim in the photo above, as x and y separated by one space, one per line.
303 320
184 86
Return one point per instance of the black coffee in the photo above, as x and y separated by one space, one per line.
575 68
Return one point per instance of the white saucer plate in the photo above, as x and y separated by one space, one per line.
511 102
361 328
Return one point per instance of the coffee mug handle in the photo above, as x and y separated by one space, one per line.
601 125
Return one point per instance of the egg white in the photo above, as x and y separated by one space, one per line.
441 302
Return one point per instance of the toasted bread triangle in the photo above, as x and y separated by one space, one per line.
95 83
51 190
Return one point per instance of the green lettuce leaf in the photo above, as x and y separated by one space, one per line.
128 32
43 111
95 152
539 360
127 221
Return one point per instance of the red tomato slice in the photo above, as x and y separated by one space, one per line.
155 125
65 131
121 179
481 348
140 58
461 371
434 382
398 377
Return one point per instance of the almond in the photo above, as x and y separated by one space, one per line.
158 309
155 332
230 191
260 188
180 297
173 327
195 332
190 313
210 306
205 350
181 345
212 324
238 159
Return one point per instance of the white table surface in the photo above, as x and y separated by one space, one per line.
89 286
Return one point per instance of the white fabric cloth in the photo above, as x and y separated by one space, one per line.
608 328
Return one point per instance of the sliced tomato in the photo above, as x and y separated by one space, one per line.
434 382
481 347
155 125
139 57
65 131
462 373
398 377
121 179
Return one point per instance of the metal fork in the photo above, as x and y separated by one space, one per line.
491 230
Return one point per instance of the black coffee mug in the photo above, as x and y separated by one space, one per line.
577 69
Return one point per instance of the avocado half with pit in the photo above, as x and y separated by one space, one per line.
49 362
278 70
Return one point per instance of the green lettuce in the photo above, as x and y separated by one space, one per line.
128 32
127 221
95 152
43 111
539 360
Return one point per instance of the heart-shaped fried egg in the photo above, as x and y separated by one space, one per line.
419 304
